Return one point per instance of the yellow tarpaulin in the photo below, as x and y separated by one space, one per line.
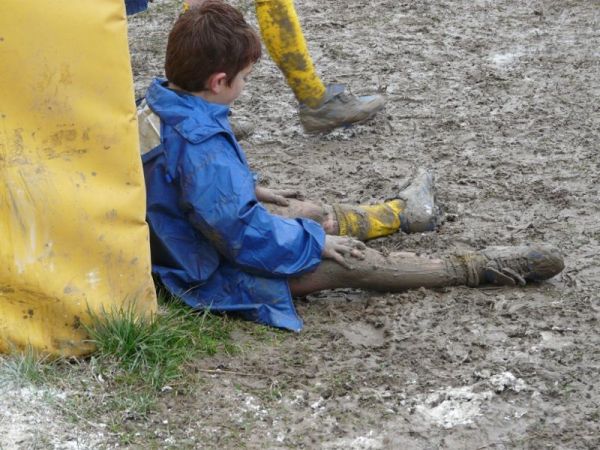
72 200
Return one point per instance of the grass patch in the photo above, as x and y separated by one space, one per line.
140 362
155 351
25 367
138 365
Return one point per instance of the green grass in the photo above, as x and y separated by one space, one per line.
138 363
25 367
155 351
136 359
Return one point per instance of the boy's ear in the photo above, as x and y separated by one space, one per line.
217 81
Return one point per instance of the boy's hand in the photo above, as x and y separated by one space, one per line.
277 197
339 247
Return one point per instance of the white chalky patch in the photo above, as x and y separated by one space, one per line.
507 380
30 418
453 406
252 405
554 341
502 60
367 442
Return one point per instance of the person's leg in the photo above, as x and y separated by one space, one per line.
362 222
282 35
322 108
400 271
413 211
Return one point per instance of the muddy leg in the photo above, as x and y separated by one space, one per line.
400 270
414 210
282 35
362 222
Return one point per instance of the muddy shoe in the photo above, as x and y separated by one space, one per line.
421 212
339 109
509 266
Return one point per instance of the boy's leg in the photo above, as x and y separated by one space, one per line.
414 211
400 270
322 108
362 222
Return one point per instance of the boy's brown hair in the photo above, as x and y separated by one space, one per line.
209 38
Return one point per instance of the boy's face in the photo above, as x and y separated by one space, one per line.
228 94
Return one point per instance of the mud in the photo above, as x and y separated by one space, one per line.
500 99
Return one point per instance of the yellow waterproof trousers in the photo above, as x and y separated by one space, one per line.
369 221
72 201
282 35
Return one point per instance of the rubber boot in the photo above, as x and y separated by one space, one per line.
414 211
420 212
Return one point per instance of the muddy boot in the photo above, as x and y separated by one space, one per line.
509 266
339 109
413 211
420 211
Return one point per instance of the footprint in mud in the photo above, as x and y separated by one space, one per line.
361 334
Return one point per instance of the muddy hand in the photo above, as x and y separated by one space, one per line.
280 197
277 197
339 248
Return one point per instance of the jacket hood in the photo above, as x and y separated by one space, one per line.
191 116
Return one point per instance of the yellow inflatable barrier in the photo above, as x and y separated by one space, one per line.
72 200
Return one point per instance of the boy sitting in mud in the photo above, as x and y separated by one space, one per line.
218 241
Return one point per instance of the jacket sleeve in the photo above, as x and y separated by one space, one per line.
217 193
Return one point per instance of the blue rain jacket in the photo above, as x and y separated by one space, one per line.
212 243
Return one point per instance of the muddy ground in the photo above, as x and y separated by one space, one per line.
500 98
